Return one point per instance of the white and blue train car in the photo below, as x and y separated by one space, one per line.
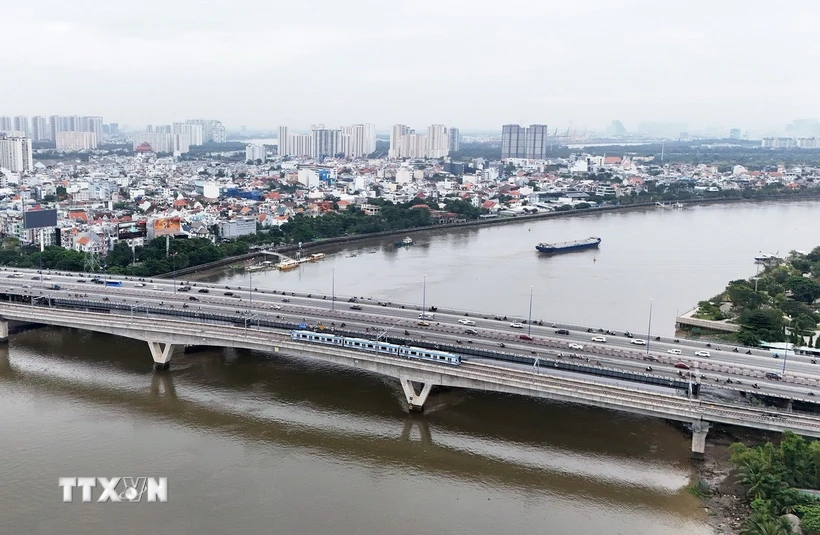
360 344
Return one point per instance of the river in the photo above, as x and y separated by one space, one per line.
256 444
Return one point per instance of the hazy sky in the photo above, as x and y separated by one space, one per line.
479 64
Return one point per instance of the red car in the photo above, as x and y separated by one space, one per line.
526 337
681 365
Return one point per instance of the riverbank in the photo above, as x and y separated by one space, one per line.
285 249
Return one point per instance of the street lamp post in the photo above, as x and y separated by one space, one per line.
529 319
649 328
333 290
250 286
174 266
424 298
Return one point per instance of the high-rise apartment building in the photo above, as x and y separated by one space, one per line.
162 141
39 129
21 124
6 123
518 142
93 124
405 143
255 152
438 144
76 141
454 137
299 144
283 147
212 130
325 143
15 154
192 131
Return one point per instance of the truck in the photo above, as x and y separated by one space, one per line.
55 287
113 283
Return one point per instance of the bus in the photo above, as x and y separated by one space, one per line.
113 283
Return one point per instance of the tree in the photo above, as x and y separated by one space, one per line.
803 289
766 324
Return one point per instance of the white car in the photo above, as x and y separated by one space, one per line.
639 342
155 287
673 351
517 325
139 285
576 346
702 354
47 277
599 339
466 322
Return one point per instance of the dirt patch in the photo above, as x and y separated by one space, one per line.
726 504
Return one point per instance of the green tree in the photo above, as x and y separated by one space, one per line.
803 289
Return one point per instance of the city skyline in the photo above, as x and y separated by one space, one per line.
586 65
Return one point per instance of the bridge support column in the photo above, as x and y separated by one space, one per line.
699 431
415 402
162 355
4 331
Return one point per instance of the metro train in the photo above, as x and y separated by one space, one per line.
416 353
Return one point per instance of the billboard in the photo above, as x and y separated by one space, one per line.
166 226
134 229
40 218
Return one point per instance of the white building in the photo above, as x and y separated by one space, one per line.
162 141
256 152
362 140
299 145
76 141
39 129
438 142
192 131
283 143
15 154
21 124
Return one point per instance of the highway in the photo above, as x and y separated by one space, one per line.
395 319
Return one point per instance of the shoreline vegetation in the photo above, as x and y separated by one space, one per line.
767 488
776 305
198 254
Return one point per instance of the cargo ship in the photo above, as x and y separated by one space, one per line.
566 246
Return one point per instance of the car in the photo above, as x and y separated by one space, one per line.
702 354
674 351
155 287
426 316
526 337
203 290
286 300
681 365
47 277
466 322
27 286
599 339
651 358
229 294
516 325
351 300
423 323
139 284
576 346
355 307
80 280
36 277
638 342
184 289
773 375
470 331
561 331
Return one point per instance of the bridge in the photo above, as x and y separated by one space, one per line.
165 318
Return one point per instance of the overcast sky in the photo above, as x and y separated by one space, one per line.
477 65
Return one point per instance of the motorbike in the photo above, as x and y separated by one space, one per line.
343 324
814 361
589 330
657 338
734 350
755 385
748 351
501 345
649 368
708 345
676 341
406 333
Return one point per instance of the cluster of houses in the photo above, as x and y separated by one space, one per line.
110 198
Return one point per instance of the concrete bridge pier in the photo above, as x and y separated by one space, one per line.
415 402
4 331
699 431
162 355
